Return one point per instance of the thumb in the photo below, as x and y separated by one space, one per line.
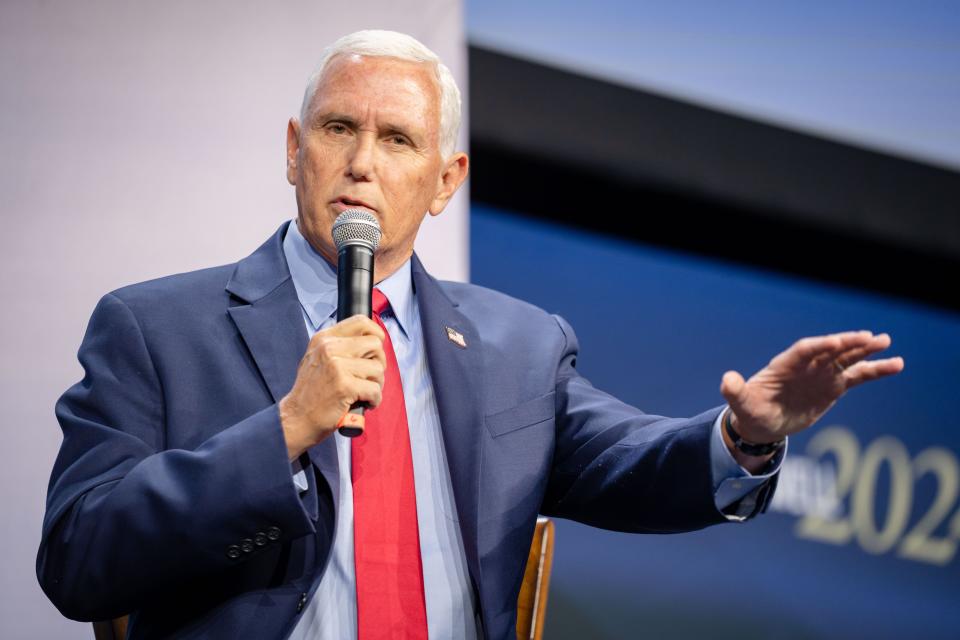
733 389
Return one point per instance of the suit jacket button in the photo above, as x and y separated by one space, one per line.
260 539
246 545
273 533
302 602
233 552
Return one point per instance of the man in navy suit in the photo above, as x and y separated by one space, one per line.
202 489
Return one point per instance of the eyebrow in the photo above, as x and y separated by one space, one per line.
333 116
389 128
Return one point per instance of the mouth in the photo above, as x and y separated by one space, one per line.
343 203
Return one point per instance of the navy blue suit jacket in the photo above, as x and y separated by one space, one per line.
171 498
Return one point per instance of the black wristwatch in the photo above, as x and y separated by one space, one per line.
750 448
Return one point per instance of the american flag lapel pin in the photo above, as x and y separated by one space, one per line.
456 337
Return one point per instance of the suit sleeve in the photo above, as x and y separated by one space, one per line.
618 468
126 518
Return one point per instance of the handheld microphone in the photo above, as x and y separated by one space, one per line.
356 234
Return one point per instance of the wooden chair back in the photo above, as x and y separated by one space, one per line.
532 603
115 629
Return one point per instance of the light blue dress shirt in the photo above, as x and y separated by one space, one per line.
450 600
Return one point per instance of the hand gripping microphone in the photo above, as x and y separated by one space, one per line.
356 234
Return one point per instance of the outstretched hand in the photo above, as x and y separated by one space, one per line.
802 383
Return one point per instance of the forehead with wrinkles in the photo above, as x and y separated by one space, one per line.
382 88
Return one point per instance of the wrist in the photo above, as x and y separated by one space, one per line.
295 430
752 456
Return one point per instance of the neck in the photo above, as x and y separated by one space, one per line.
387 263
384 264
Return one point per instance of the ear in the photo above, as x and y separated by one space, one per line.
454 173
293 149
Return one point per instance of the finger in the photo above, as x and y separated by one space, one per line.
852 356
355 326
867 370
828 346
733 387
369 392
364 369
368 347
365 346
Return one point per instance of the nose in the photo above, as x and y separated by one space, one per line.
360 166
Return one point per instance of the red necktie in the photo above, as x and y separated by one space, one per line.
386 541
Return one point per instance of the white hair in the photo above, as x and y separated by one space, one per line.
392 44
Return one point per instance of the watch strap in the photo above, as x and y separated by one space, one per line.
747 447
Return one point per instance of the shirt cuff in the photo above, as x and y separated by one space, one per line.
736 489
299 476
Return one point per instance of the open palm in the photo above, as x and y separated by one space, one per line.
802 383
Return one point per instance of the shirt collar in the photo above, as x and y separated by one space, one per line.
315 281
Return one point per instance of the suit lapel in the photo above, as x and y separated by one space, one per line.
456 373
273 330
271 324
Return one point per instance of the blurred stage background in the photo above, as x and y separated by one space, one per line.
692 185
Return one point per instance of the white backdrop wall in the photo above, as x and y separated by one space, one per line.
139 139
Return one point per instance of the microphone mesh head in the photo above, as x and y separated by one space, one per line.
356 226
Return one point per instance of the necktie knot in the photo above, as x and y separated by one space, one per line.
380 302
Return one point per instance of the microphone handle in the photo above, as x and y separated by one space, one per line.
354 297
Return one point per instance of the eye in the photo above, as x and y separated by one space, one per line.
336 127
399 140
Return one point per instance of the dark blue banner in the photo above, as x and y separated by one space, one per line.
862 538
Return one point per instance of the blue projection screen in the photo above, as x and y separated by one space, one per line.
862 538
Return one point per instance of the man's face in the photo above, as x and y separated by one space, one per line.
370 140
